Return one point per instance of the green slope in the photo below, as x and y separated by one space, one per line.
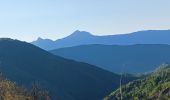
154 87
65 79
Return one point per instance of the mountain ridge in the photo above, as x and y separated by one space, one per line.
86 38
138 58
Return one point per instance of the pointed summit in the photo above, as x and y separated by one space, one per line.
78 33
39 38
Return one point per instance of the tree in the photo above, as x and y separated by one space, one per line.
38 93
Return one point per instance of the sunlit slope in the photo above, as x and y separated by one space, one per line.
154 87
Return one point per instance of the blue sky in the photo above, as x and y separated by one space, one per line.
29 19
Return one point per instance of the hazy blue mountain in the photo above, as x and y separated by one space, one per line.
65 79
84 38
44 43
130 59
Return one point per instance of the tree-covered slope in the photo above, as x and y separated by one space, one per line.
9 90
65 79
132 58
154 87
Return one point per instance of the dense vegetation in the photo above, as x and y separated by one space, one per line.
154 87
11 91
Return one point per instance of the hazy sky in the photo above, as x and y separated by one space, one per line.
29 19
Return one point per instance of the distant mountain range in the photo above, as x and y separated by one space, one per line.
139 58
65 79
86 38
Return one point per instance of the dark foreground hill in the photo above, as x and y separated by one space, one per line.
131 58
65 79
154 87
85 38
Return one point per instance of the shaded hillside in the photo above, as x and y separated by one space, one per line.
131 58
65 79
154 87
86 38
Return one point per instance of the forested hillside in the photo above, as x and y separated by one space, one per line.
154 87
9 90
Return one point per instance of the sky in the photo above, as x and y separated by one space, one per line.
29 19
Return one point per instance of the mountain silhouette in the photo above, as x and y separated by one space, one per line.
130 58
84 38
65 79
